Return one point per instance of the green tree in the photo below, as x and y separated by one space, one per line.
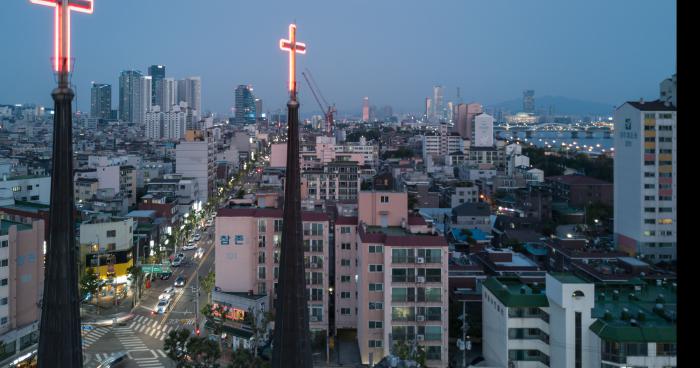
135 274
89 283
217 322
243 358
259 325
207 284
175 346
203 352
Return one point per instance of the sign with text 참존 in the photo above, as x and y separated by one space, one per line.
225 240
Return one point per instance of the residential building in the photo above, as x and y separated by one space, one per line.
580 191
464 122
483 131
29 188
337 180
194 157
106 246
569 322
440 143
189 90
247 256
464 193
21 287
645 182
129 84
472 215
157 73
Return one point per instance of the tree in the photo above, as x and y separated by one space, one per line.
89 283
203 351
207 284
217 323
243 358
258 325
175 346
135 273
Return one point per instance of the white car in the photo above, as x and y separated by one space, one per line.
199 253
162 306
169 290
197 236
189 246
165 296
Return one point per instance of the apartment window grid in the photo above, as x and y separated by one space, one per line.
376 286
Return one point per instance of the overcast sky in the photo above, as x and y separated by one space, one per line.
392 51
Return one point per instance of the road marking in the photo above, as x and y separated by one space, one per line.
177 298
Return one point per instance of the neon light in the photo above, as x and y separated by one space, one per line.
293 47
62 46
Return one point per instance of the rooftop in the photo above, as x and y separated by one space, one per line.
5 226
656 105
567 278
513 293
577 180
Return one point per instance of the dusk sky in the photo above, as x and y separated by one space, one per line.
392 51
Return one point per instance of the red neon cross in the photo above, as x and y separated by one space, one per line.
62 28
293 47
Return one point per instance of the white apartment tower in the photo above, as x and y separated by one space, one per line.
645 179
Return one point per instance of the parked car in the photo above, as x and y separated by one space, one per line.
179 281
165 275
170 290
189 246
199 253
197 236
177 262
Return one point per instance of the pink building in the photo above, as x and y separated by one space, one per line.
248 252
21 287
402 280
345 272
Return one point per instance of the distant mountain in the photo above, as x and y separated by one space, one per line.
561 106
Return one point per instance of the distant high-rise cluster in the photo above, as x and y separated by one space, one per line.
143 99
365 109
245 108
529 101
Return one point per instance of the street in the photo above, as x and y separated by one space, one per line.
142 337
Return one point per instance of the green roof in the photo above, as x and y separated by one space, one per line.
655 326
513 293
567 278
5 226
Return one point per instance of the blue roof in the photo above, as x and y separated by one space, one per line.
477 235
537 249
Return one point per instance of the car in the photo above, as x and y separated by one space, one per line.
197 236
180 255
87 297
165 296
189 246
169 290
199 253
210 223
165 275
180 281
115 360
162 306
177 262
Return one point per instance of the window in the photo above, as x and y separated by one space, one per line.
261 257
650 221
376 249
578 341
278 226
649 174
375 343
384 199
262 225
375 324
649 163
111 233
261 273
345 311
261 241
3 282
376 287
3 320
3 301
649 209
3 263
4 244
316 229
665 209
433 353
649 198
376 268
345 246
665 349
345 262
345 295
344 278
376 305
345 229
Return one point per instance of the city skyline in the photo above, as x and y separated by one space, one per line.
485 70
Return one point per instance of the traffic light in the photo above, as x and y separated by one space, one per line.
197 331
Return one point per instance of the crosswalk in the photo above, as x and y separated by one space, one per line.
145 358
151 327
92 336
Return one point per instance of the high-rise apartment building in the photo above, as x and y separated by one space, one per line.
258 108
157 73
668 90
100 100
190 90
483 130
142 99
438 105
365 109
464 121
245 106
129 83
169 97
428 108
645 182
529 101
441 142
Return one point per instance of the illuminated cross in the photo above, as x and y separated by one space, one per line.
61 62
293 47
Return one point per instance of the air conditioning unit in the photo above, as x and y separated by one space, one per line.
420 279
420 318
420 260
420 337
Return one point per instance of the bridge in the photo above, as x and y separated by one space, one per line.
573 129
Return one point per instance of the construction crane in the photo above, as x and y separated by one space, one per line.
327 109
